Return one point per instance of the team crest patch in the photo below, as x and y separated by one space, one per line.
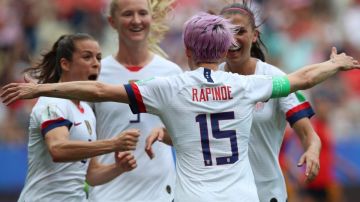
88 126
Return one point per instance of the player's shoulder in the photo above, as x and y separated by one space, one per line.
43 103
263 68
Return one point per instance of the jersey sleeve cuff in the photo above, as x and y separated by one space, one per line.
135 99
301 111
51 124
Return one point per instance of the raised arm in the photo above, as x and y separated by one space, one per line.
92 91
311 75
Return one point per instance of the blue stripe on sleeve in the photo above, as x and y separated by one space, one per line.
132 99
56 124
308 112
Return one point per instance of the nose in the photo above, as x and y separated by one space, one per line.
96 63
136 19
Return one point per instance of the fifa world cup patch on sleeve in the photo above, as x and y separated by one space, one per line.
143 81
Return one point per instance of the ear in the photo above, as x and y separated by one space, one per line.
111 21
188 53
65 65
256 36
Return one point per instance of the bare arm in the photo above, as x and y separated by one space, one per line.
98 174
91 91
157 134
312 146
62 149
311 75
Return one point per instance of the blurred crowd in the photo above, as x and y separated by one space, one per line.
295 32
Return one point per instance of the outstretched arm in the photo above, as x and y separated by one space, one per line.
312 146
92 91
311 75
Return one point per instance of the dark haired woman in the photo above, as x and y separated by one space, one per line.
270 117
62 133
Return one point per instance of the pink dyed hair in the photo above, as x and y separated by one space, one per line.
208 37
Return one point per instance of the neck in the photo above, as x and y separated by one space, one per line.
244 68
212 66
136 55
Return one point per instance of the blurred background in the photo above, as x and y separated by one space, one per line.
296 33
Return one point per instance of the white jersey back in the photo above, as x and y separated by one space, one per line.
208 115
152 180
267 134
46 180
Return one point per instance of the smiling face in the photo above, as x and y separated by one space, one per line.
85 62
131 19
245 36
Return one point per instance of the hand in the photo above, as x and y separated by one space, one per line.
157 134
312 165
346 62
125 161
16 91
127 140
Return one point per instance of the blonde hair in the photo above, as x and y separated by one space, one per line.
159 9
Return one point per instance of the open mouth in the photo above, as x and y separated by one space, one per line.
93 77
235 47
136 29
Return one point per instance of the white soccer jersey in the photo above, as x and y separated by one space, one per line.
47 180
267 134
152 180
208 115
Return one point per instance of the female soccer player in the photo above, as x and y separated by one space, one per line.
62 133
139 26
208 113
270 117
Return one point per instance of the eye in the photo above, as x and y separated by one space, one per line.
87 57
143 12
240 31
127 13
99 57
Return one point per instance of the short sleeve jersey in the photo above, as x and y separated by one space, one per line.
154 179
47 180
267 133
208 115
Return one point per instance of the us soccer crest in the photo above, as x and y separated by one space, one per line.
88 126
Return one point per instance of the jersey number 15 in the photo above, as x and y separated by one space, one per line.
218 134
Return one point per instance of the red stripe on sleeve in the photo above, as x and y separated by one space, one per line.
138 97
300 107
49 122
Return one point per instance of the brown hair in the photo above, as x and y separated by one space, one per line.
48 70
244 9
